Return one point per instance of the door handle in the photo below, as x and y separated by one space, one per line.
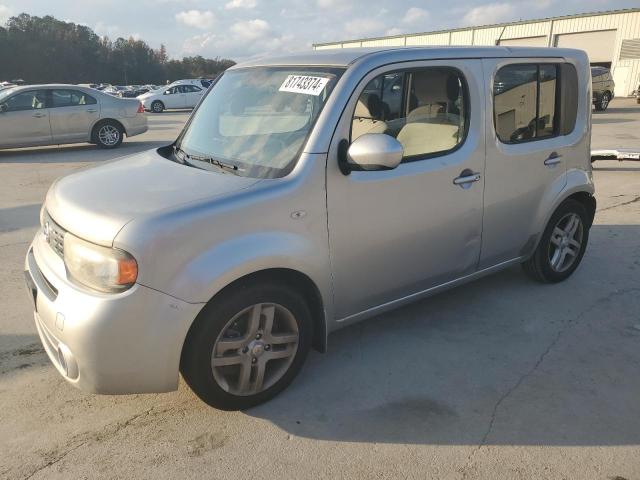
39 115
553 159
466 178
92 110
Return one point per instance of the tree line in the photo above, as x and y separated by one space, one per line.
48 50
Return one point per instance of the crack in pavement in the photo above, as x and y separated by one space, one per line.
531 371
55 460
108 431
636 199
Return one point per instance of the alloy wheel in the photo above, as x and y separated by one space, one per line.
566 242
109 135
255 349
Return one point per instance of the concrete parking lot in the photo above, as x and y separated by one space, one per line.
501 378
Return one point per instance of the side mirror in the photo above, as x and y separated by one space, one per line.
167 92
3 107
375 151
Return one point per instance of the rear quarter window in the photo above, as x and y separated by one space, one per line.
534 101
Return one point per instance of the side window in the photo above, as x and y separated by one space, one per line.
425 110
547 118
524 102
70 98
31 100
192 88
172 90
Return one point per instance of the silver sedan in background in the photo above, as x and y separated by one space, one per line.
59 114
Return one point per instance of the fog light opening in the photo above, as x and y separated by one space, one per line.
67 362
63 361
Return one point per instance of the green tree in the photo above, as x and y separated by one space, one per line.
47 50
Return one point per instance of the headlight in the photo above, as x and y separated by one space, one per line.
100 268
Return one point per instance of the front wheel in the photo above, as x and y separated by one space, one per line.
562 245
246 346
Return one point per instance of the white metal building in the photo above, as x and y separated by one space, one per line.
611 39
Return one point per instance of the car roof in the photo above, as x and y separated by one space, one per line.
344 57
53 85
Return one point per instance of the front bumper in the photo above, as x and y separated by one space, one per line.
121 343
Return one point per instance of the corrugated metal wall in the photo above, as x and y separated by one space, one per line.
626 24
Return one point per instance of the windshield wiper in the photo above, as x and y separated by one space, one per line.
185 158
216 163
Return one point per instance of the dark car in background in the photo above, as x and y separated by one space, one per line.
603 87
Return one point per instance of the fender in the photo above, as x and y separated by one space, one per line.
577 181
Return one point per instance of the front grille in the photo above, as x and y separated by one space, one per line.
53 234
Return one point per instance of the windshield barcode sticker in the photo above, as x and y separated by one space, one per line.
304 84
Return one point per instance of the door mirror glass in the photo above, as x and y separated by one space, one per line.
375 151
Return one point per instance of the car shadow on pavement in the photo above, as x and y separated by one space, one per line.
18 218
502 360
634 109
80 153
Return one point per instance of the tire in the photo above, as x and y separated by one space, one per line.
222 322
603 102
108 134
541 265
157 107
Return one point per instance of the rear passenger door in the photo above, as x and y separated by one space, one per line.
192 95
73 114
527 152
395 233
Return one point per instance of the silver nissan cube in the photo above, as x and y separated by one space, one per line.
306 193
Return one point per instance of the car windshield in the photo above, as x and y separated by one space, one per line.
256 120
4 93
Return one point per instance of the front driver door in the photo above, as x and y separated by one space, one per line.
173 97
396 233
24 120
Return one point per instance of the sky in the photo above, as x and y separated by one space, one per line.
241 29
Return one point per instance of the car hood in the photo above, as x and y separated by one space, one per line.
96 203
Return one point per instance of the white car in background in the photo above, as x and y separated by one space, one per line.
180 94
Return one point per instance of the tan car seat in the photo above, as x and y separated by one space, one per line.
364 120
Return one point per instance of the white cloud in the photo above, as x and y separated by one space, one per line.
248 4
394 31
105 30
415 15
242 40
328 3
196 19
5 13
490 13
250 30
361 27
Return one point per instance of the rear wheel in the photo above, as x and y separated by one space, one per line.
603 103
562 245
108 134
247 345
157 106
